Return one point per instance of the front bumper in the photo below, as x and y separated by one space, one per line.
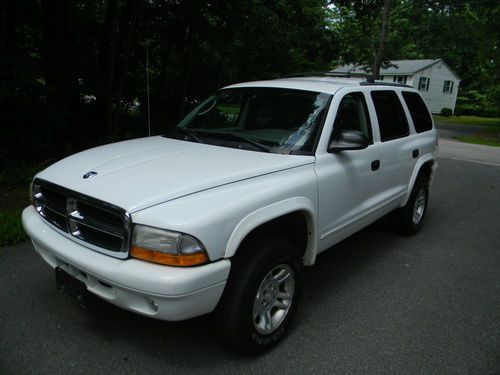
158 291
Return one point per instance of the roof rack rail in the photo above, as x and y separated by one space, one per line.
315 74
369 78
379 83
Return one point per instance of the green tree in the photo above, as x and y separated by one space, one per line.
464 34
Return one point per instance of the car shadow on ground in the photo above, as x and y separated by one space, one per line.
157 338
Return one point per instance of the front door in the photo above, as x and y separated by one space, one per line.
349 183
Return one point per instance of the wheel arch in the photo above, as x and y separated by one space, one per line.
292 218
425 165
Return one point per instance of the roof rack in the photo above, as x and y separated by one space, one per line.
315 74
369 78
379 83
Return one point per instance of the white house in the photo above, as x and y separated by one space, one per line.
437 83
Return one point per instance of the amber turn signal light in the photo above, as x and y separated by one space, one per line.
179 260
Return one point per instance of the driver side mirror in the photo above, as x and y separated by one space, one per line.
348 140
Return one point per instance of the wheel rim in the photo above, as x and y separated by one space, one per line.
274 299
419 207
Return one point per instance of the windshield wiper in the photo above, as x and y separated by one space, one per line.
237 137
189 133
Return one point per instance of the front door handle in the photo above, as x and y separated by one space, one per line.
375 165
415 153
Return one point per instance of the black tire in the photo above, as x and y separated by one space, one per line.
410 218
256 268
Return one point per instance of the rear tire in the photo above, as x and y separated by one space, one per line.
410 217
261 296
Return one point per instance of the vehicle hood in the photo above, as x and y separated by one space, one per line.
145 172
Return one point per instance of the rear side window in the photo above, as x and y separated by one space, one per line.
391 118
418 111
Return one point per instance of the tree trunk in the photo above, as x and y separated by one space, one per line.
378 55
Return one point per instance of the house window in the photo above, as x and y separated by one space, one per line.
423 84
448 87
399 79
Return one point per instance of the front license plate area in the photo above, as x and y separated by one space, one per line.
71 286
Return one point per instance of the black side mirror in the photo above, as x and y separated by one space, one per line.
348 140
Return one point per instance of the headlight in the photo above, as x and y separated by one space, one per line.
166 247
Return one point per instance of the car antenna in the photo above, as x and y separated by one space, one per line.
147 90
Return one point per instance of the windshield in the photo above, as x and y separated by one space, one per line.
261 119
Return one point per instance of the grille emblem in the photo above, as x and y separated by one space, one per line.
89 174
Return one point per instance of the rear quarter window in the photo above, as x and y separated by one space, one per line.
391 117
418 111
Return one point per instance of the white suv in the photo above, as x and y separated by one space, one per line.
221 213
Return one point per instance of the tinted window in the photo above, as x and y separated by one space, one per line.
353 115
418 111
391 118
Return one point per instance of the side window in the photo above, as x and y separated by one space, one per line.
418 111
391 117
352 114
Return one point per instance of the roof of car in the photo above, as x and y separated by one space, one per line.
325 84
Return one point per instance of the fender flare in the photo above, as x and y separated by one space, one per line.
271 212
418 166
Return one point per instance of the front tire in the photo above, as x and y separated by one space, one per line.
261 296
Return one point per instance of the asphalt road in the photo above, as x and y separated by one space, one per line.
378 303
450 149
450 131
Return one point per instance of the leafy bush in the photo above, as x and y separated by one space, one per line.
494 99
474 103
446 112
11 228
18 173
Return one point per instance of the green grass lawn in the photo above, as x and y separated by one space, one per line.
11 228
467 120
15 178
488 129
480 140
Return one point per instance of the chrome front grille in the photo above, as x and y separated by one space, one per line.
101 226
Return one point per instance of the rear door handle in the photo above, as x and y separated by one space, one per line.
375 165
415 153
